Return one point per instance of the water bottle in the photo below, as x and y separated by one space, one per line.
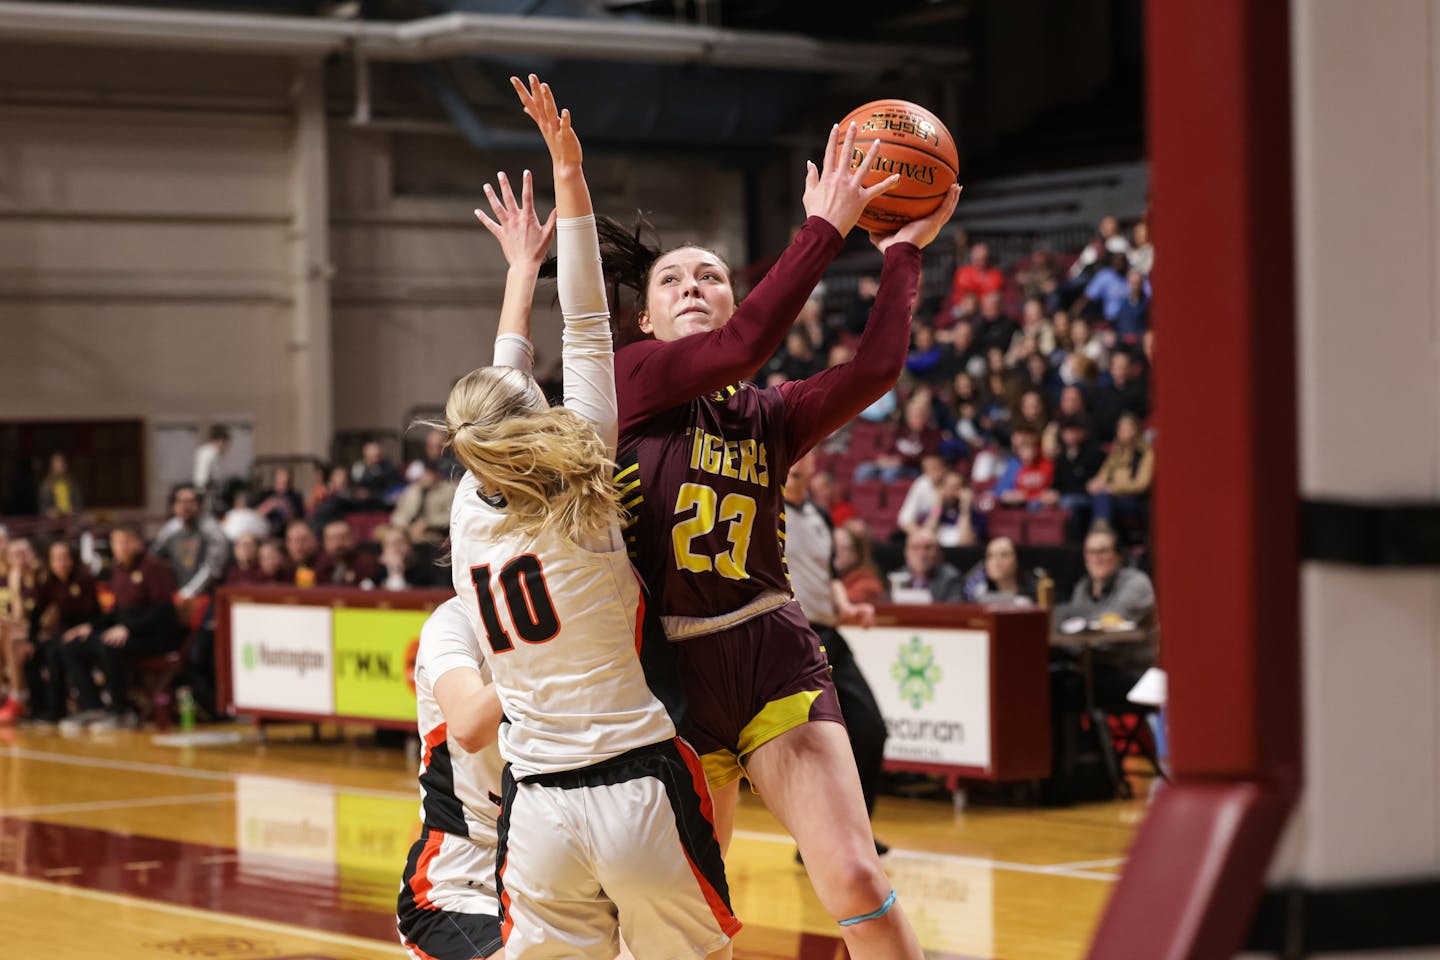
185 701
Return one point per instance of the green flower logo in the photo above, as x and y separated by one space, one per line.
248 656
916 671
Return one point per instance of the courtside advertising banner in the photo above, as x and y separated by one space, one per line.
933 688
375 662
280 658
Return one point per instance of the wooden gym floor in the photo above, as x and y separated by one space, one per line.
114 845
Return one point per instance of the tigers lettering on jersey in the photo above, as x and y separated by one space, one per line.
743 460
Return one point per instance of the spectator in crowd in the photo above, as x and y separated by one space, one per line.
1111 594
336 501
403 567
244 565
1040 376
1142 254
930 361
1079 366
437 455
795 360
65 597
59 493
1027 475
927 578
998 578
373 478
243 520
825 493
856 568
1031 413
968 399
21 575
1060 323
809 557
423 509
1072 404
1107 240
923 495
1133 316
978 277
965 354
1002 391
950 518
915 437
342 564
208 477
1120 491
142 623
193 545
1120 393
857 312
1034 324
1075 466
1107 289
302 552
273 568
1039 276
281 503
996 329
811 322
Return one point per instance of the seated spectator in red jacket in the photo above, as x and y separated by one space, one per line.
916 436
65 597
977 276
1028 474
856 569
141 624
342 564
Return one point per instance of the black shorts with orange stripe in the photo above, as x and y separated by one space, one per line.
632 837
750 683
448 908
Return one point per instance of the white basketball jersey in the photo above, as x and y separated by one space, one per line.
459 790
561 627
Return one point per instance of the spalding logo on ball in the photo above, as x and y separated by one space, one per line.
914 144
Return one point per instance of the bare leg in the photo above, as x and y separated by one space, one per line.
807 778
723 801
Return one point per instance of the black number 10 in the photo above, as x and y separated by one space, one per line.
526 596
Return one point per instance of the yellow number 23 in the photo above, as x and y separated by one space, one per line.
736 509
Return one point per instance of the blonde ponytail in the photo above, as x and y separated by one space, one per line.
547 462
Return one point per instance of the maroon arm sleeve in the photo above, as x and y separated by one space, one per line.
819 405
651 376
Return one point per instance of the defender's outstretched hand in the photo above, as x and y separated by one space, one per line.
523 238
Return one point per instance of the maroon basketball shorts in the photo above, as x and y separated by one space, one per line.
749 683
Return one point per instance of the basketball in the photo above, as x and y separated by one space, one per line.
913 143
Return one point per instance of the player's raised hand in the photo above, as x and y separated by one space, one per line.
554 124
921 232
523 238
836 193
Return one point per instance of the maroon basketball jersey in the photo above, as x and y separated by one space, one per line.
701 483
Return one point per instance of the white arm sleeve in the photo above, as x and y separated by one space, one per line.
587 353
513 350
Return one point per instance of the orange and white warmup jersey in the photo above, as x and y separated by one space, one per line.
459 790
562 627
